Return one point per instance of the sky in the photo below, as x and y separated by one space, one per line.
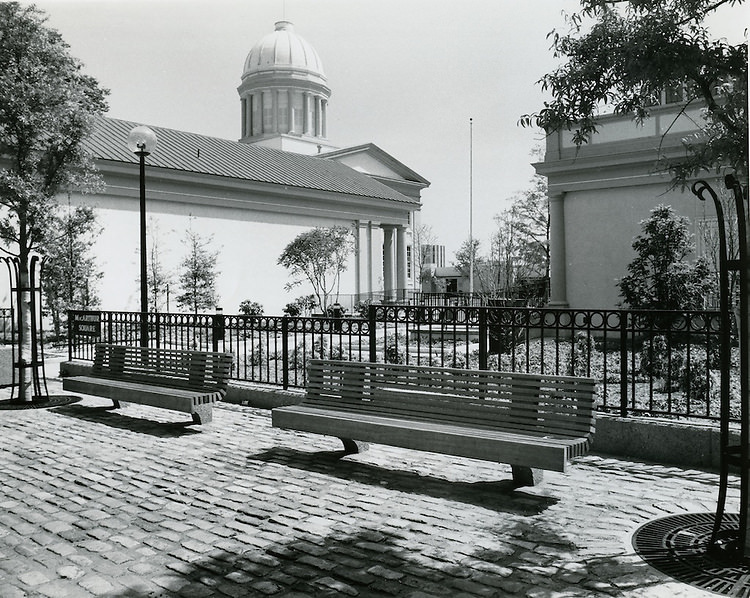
406 75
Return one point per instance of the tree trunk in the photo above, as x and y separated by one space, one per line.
25 339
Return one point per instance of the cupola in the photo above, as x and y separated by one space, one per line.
284 94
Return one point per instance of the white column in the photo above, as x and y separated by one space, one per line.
307 125
318 122
369 260
357 262
401 262
557 260
388 269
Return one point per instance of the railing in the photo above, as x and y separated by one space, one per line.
655 363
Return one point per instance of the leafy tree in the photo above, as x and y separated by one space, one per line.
70 275
198 278
319 256
301 306
521 242
47 107
660 278
251 308
631 52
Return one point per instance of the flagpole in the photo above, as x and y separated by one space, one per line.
471 207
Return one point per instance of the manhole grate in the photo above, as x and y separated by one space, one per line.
678 546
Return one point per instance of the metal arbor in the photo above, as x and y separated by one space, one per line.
733 544
36 364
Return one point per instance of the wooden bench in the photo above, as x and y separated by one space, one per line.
532 422
180 380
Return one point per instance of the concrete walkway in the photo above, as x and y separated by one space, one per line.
132 503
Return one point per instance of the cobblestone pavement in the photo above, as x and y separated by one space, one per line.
132 503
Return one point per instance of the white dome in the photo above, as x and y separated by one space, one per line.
284 52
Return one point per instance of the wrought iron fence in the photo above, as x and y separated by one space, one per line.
654 363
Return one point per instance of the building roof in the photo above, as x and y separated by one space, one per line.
284 52
384 157
191 152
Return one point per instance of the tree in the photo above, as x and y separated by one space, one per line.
634 50
520 246
251 308
70 274
319 256
158 277
301 306
198 278
660 277
423 236
47 107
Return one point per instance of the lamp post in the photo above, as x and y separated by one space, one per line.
142 141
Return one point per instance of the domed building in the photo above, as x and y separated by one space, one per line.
284 94
255 194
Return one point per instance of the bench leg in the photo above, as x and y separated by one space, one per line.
202 414
526 476
117 405
352 447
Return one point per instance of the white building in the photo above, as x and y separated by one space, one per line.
253 196
599 193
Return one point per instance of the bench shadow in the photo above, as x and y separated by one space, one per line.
501 495
116 418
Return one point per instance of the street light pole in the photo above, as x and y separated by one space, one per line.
141 142
144 264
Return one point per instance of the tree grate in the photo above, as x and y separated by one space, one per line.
38 402
678 546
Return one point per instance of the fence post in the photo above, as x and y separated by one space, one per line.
70 334
623 363
484 338
373 335
285 351
217 329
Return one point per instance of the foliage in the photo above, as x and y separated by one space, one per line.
47 108
620 55
301 306
521 241
250 308
659 278
395 349
198 278
70 275
318 256
362 308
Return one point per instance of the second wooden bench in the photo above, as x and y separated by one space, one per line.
532 422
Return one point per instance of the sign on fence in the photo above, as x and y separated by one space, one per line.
87 325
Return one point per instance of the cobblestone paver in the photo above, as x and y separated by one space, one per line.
135 504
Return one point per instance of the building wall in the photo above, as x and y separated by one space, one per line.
599 193
600 226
